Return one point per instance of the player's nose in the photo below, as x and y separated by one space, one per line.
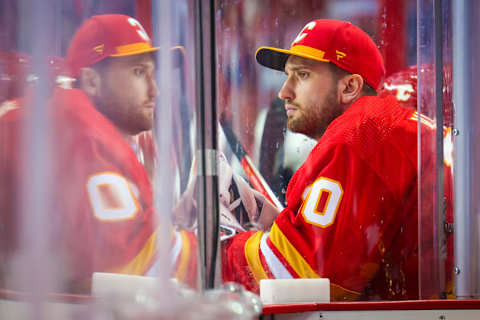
153 87
286 92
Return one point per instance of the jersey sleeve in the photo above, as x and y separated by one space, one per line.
183 254
340 227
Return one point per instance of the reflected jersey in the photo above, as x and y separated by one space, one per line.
102 216
351 214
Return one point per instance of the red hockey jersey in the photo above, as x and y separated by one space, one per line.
351 214
102 216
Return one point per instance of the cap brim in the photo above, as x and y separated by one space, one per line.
276 58
134 52
272 58
178 56
177 52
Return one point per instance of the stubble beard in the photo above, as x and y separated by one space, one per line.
128 122
314 121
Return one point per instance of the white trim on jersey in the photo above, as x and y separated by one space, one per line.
274 264
177 248
153 271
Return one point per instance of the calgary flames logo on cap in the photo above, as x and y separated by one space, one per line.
304 32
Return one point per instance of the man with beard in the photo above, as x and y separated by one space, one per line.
351 212
102 216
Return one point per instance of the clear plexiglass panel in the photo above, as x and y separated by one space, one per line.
435 150
466 170
351 193
98 131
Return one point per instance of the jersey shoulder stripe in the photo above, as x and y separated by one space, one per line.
276 267
290 253
252 255
185 256
143 262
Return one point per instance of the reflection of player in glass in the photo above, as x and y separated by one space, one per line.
352 206
103 211
403 85
116 71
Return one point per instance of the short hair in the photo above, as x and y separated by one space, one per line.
339 73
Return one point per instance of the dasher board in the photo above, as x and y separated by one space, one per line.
389 310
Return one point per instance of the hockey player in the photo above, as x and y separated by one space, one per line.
102 216
352 206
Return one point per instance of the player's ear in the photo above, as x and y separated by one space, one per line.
350 88
90 81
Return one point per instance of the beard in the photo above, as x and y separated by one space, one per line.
313 120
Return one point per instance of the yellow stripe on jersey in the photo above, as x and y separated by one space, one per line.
184 258
143 260
252 248
290 253
302 268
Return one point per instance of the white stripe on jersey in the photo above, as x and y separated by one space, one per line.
177 248
174 255
274 264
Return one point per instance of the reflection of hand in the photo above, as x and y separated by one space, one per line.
184 212
241 207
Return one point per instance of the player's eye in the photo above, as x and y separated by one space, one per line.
139 72
302 74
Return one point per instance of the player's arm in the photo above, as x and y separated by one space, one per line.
333 228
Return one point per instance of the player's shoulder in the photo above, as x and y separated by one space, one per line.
383 112
74 113
77 123
372 128
372 120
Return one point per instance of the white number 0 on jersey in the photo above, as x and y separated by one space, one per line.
324 216
111 197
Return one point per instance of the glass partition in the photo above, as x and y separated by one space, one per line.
406 254
435 150
465 84
97 130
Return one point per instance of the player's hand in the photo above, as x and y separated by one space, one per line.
247 208
241 207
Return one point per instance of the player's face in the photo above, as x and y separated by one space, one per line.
128 91
310 94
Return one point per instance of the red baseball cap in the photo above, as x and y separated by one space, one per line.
402 85
102 36
338 42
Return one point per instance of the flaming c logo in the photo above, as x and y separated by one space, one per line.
304 32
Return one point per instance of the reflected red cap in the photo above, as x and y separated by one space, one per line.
402 85
338 42
109 35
